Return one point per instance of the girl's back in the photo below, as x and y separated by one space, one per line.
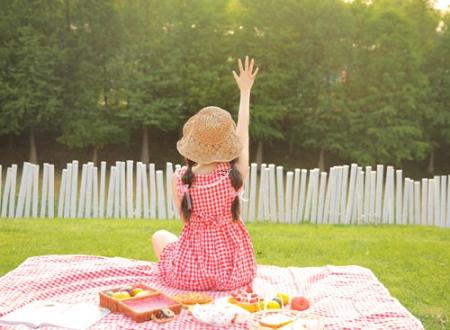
213 251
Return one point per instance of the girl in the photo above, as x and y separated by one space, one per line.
214 250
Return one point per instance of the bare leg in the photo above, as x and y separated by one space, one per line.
160 239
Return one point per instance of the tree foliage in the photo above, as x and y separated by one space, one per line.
367 81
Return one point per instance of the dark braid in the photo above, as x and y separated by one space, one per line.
188 178
236 182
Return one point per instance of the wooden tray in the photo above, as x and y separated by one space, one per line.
140 309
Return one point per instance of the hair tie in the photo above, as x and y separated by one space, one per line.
240 195
185 191
184 188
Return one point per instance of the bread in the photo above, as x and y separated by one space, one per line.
275 321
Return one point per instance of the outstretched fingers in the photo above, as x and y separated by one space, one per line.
236 77
241 69
256 71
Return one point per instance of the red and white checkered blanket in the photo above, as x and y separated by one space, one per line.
344 297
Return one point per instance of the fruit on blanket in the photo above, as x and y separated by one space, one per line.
284 297
279 301
143 293
299 303
273 304
121 295
136 291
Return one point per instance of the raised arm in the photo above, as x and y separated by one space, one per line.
244 81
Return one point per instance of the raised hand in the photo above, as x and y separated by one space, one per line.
246 75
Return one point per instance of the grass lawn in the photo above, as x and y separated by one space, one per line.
412 262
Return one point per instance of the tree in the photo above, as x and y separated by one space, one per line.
149 66
437 97
383 89
318 114
260 31
91 100
32 87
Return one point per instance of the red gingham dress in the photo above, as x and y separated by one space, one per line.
213 252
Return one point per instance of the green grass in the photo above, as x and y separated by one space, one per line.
412 262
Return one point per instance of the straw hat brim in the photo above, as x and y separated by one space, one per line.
210 136
198 152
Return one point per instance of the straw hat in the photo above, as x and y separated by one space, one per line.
210 136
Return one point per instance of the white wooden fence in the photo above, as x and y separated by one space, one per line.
345 195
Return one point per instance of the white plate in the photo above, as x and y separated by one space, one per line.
219 313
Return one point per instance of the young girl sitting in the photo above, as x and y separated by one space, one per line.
214 250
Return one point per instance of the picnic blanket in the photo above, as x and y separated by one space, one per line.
343 297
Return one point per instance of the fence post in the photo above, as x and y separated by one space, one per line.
322 187
388 196
117 191
169 173
22 191
398 208
417 202
111 192
301 203
326 207
424 201
344 185
288 206
266 196
101 209
160 188
144 184
152 178
307 216
62 193
280 191
88 194
379 192
262 192
130 176
430 201
448 202
373 176
443 199
252 205
123 206
95 192
359 195
44 190
437 200
6 190
35 191
314 195
351 193
273 195
138 204
51 191
28 189
82 196
72 189
405 202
